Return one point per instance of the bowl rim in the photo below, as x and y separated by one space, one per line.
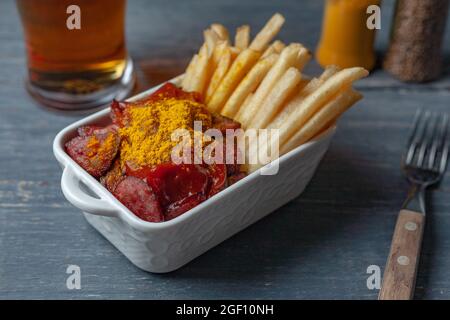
122 212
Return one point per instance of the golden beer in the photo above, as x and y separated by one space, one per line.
76 51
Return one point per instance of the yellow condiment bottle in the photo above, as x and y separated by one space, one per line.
346 40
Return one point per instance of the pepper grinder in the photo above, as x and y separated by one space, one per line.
415 50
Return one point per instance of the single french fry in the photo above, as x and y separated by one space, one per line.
222 68
246 102
178 80
328 72
219 50
199 78
221 31
216 48
306 91
331 111
249 84
211 39
243 63
287 59
277 96
312 103
189 71
303 57
191 65
316 82
242 37
267 33
276 47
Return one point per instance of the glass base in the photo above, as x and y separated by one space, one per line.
66 101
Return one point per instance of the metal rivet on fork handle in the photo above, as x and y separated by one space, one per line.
411 226
403 260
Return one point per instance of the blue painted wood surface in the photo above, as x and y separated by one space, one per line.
318 246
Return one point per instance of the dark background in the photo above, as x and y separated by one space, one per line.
317 246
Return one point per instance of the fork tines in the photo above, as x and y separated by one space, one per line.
428 144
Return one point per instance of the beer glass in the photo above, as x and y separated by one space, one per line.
76 52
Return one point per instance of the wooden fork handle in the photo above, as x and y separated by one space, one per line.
401 268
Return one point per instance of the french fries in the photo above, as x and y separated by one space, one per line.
211 39
328 72
246 102
248 85
221 32
222 67
322 118
312 103
260 84
281 117
242 38
243 63
270 30
202 70
287 59
276 47
275 99
303 58
307 90
187 79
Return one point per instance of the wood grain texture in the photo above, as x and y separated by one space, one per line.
401 268
317 246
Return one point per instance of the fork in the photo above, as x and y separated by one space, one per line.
424 164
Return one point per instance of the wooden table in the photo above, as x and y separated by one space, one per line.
318 246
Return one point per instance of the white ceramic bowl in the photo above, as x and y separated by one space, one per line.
166 246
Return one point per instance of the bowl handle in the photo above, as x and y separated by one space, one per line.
70 186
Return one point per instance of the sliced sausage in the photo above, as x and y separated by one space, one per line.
178 208
139 197
96 152
223 123
113 177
